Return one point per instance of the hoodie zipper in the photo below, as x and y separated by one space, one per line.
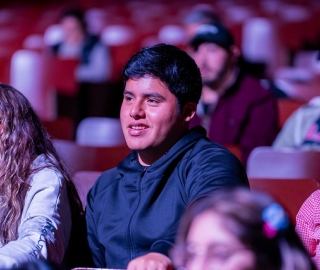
134 212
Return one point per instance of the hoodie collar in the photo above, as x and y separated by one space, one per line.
176 151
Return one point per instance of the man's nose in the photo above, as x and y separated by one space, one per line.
137 110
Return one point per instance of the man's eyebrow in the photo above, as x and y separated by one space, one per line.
127 92
155 95
146 95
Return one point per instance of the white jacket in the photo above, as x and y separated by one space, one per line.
292 134
45 225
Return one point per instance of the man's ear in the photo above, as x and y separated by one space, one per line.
188 111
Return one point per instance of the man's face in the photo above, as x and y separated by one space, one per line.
213 61
150 118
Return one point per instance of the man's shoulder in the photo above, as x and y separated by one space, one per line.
248 90
108 174
255 86
214 161
204 148
105 179
311 108
197 137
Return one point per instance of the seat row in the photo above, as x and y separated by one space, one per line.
288 175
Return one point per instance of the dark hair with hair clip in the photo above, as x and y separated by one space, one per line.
246 214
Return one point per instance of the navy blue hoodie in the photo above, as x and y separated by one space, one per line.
133 210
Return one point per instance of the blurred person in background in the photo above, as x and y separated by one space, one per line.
92 74
235 108
38 200
94 57
200 14
302 129
238 229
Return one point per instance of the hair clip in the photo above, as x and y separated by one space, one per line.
275 219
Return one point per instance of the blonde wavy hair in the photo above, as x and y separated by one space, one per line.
22 139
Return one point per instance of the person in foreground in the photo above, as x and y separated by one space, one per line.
133 210
238 229
35 213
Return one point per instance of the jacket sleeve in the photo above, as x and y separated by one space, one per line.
207 169
212 169
262 124
92 232
44 230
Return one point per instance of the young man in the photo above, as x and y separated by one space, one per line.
133 210
235 108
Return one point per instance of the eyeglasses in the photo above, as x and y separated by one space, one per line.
214 255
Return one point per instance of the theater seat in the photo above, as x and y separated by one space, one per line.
267 162
84 180
100 131
291 193
89 158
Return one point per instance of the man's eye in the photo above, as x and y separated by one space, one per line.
127 98
153 101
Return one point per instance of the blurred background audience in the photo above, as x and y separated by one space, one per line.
278 41
290 26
